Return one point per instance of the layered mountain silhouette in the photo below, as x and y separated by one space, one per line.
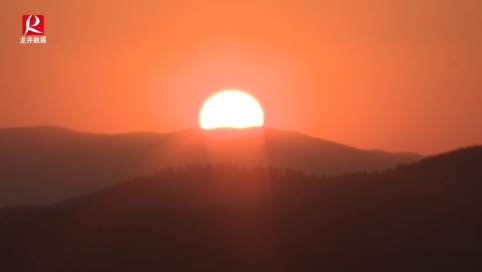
422 216
41 165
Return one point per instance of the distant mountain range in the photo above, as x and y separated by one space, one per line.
422 216
41 165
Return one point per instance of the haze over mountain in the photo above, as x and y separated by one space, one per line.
40 165
424 216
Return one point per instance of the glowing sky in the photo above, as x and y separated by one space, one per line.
399 75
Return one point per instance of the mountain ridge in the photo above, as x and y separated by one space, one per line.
49 163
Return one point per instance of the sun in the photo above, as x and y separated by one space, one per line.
231 109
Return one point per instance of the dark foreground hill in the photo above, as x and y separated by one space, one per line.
424 216
40 165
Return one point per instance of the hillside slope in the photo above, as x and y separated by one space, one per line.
424 216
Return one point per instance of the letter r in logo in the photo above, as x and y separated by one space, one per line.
32 25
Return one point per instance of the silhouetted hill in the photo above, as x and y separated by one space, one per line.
423 216
40 165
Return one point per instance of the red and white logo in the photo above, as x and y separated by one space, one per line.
32 25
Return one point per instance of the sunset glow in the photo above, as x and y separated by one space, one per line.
231 108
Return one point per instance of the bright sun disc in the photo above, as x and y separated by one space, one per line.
232 109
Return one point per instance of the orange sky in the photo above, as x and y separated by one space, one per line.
400 75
